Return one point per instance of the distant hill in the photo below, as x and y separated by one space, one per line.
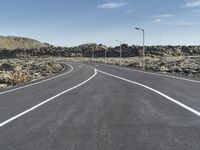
12 42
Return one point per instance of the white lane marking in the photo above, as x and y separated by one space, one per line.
29 85
87 65
151 73
84 65
156 91
46 101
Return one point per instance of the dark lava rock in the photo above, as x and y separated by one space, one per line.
6 67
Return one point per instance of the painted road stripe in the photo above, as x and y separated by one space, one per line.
156 91
151 73
46 101
29 85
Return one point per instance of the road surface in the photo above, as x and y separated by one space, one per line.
102 107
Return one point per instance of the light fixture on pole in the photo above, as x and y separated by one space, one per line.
105 55
120 53
143 63
92 53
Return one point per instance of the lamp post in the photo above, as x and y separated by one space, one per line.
93 54
105 55
143 52
120 53
59 53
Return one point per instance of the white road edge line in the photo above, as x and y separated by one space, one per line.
29 85
151 73
46 101
156 91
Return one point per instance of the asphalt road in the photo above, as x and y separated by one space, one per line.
102 107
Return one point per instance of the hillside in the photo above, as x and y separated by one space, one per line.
12 42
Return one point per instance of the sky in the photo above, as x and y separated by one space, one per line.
76 22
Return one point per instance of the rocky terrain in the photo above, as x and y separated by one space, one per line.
179 60
98 50
181 65
15 72
18 47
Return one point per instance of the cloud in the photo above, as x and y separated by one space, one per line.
192 3
164 16
185 23
111 5
160 18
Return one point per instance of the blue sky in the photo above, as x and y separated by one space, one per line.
75 22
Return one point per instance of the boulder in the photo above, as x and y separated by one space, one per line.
6 67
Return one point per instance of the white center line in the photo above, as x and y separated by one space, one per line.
156 91
46 101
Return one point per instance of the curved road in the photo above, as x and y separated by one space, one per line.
102 107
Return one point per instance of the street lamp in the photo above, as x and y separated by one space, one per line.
105 55
81 53
120 53
143 63
59 54
93 54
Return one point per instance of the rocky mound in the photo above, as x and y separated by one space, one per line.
87 50
12 42
16 72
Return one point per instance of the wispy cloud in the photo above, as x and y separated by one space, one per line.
192 3
164 16
160 18
185 23
111 5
